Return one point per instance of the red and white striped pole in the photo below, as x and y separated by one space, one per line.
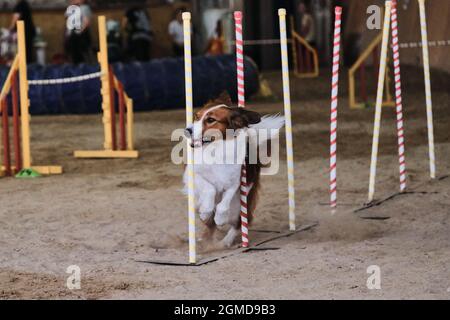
241 103
398 97
239 59
334 106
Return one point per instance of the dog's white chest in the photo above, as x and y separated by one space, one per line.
221 176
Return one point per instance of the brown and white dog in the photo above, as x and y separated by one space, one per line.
217 185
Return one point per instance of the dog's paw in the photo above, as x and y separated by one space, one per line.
222 209
205 216
229 239
221 216
220 219
227 242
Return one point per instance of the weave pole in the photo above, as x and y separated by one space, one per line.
334 106
288 117
426 70
398 97
189 121
240 58
241 103
379 102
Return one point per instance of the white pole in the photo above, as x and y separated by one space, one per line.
426 70
379 102
288 117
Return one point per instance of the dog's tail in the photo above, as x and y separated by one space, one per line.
272 124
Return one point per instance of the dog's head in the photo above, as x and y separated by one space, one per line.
216 117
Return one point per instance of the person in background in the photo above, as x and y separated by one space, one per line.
322 16
22 11
140 34
307 30
114 39
176 32
216 43
78 43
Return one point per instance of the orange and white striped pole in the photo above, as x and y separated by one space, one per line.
334 106
398 96
241 104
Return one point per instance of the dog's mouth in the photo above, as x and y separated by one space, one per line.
197 143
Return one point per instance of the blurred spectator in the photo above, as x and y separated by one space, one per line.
78 42
140 34
216 43
176 32
307 30
114 39
22 11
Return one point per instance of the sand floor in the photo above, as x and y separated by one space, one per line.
103 215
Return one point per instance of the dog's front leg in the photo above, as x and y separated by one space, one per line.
222 210
206 194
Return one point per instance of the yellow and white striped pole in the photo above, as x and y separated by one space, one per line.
189 121
379 102
288 117
426 70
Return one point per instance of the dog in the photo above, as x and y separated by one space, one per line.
217 186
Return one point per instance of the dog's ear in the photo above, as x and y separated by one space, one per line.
223 98
241 118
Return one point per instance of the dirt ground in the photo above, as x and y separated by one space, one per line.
105 215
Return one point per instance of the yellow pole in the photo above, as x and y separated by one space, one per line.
7 84
388 102
104 68
130 124
351 89
24 101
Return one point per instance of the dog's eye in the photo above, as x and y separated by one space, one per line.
210 120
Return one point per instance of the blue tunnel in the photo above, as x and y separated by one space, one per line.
154 85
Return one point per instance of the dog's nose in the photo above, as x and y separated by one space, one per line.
188 132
